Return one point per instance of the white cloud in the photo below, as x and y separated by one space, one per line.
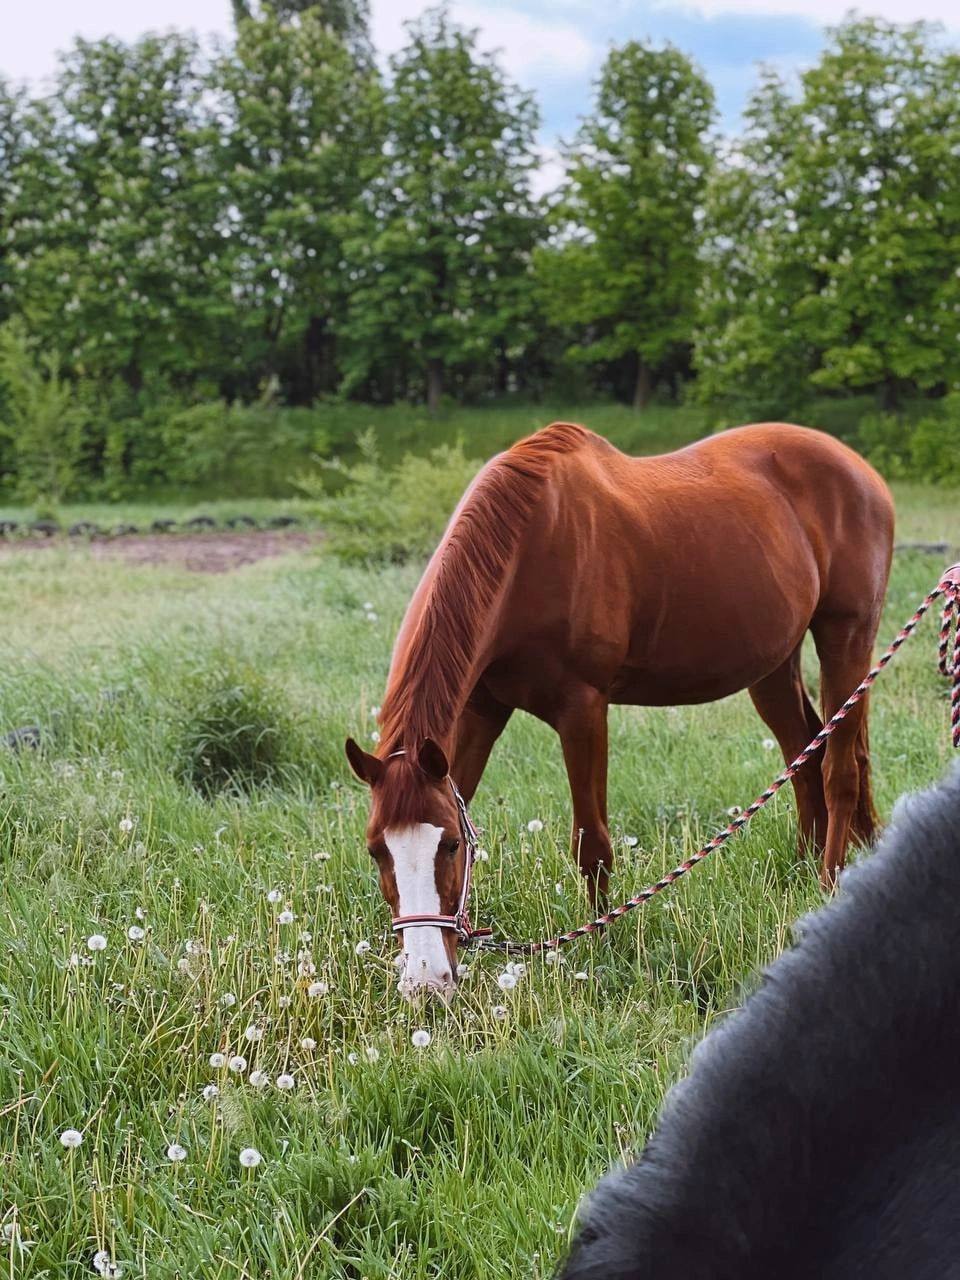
33 34
527 44
548 175
826 11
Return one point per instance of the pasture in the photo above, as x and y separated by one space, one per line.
248 923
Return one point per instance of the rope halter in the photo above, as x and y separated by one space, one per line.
459 922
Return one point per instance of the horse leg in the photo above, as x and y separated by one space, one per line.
582 727
782 702
844 644
480 725
864 827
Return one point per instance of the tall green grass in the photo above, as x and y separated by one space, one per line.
466 1157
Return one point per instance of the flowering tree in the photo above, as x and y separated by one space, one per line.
835 228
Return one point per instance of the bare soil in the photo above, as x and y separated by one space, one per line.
213 552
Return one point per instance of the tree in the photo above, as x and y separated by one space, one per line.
440 267
302 141
348 19
624 271
834 232
11 142
117 216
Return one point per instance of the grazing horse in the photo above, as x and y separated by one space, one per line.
817 1134
572 576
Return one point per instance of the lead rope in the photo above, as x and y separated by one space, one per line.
949 666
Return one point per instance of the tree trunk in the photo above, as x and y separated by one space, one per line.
643 386
890 394
434 385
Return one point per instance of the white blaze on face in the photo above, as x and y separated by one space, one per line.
414 853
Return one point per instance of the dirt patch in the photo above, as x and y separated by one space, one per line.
198 552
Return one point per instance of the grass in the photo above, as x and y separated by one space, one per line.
384 1160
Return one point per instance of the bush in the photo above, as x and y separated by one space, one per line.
42 418
928 449
390 515
235 733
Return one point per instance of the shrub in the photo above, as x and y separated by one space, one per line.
378 514
42 418
928 449
235 732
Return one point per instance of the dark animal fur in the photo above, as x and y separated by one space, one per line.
818 1133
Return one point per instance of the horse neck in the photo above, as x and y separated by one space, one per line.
436 662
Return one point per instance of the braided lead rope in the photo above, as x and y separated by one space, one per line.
948 586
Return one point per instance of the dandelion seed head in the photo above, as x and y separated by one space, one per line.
218 1060
534 825
499 1012
420 1039
228 1000
71 1139
176 1153
285 917
126 825
362 947
285 1081
136 933
210 1091
372 1053
317 989
259 1079
506 981
238 1063
308 1043
274 895
97 942
250 1157
253 1033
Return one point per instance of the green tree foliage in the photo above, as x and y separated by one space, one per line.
301 142
11 141
624 275
836 225
117 216
347 19
440 267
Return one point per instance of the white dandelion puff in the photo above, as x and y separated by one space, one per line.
317 989
582 976
499 1012
136 933
259 1079
420 1039
372 1053
534 825
126 825
218 1060
250 1157
768 744
362 947
274 895
506 981
71 1139
176 1153
253 1033
210 1091
285 1081
631 841
285 917
97 942
228 1000
238 1063
308 1043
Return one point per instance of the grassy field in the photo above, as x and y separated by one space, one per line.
460 1159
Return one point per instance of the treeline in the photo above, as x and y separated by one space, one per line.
275 221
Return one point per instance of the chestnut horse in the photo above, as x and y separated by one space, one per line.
572 576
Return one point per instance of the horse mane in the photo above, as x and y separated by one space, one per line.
434 652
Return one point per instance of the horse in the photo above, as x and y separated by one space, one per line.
572 576
818 1130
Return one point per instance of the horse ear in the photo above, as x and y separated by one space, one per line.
368 768
432 761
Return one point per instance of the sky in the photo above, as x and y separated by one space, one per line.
553 47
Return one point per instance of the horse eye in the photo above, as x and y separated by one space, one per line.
451 846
